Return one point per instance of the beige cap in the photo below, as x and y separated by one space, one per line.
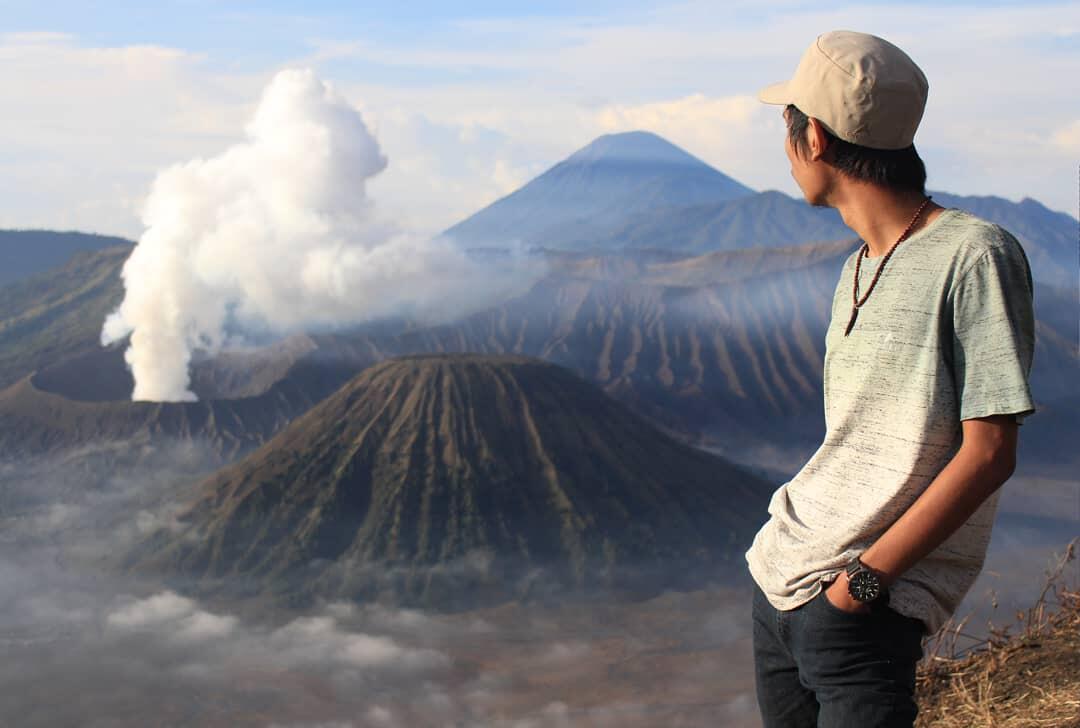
862 88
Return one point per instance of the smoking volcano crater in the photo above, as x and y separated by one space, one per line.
246 398
104 376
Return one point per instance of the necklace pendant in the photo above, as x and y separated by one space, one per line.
851 322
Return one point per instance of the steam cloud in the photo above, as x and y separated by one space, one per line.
277 235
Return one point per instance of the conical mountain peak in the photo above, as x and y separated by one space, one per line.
596 190
635 146
422 463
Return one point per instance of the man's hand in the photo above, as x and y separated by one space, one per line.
839 597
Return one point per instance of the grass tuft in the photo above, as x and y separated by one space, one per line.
1026 678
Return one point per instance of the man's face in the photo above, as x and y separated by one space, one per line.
809 174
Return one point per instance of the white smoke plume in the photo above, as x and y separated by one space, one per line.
277 234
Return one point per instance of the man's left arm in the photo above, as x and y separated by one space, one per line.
985 460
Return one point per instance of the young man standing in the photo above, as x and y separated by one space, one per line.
875 541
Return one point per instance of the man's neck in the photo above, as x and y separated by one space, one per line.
879 215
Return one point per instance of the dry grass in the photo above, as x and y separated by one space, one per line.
1027 679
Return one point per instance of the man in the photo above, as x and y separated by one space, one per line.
875 541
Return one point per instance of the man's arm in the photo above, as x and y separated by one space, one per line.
985 460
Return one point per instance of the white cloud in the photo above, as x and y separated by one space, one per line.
164 607
200 625
84 128
319 641
316 642
1067 137
34 38
493 101
695 113
443 169
175 617
734 133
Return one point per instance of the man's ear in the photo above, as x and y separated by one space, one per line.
816 139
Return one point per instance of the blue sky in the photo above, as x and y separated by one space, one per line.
471 99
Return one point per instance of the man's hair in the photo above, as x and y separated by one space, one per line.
899 168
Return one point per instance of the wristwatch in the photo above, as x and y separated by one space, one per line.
864 585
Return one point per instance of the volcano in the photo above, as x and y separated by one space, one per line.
450 480
594 191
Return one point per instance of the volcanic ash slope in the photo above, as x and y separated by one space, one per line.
453 480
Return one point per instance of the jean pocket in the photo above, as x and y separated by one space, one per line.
830 608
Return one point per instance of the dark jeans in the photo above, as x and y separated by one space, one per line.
817 665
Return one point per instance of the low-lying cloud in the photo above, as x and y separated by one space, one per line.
179 617
306 642
86 644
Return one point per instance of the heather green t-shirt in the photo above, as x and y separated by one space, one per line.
946 335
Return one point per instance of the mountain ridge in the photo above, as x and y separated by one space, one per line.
26 252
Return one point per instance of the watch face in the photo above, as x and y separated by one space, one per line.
864 586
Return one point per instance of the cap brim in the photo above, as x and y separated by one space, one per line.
777 93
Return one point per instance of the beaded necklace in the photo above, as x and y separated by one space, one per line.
855 302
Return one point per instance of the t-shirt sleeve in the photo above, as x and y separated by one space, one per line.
994 334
